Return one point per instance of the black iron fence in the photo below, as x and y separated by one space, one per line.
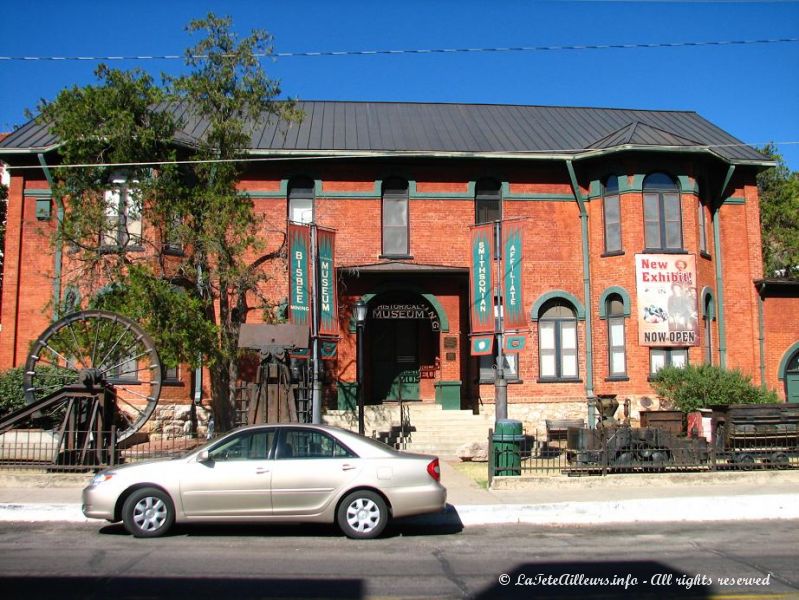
86 450
601 451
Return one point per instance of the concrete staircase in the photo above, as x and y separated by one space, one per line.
429 429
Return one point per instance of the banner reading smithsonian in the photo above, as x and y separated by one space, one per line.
667 308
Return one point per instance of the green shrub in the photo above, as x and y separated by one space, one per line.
692 387
12 394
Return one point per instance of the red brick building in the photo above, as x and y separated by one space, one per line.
640 247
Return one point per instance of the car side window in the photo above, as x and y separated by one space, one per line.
308 443
249 445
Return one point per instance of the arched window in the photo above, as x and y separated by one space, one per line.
301 197
487 201
611 213
617 356
557 341
395 218
709 315
662 214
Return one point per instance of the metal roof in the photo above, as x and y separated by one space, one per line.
484 129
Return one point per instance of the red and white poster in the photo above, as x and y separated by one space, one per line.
667 306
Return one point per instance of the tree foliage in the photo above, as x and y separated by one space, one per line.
195 268
700 386
779 218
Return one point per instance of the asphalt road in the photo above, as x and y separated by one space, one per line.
66 560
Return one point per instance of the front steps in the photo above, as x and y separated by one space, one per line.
429 429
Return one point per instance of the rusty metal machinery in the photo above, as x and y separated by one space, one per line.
94 377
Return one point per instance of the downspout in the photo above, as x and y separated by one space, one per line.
589 342
761 337
718 265
58 251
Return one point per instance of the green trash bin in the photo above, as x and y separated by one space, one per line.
507 441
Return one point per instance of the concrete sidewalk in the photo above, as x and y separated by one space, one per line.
681 497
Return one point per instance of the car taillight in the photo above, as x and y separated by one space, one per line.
434 470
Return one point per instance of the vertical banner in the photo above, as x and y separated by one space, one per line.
299 274
328 309
667 307
513 306
482 308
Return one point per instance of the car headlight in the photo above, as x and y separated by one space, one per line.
101 477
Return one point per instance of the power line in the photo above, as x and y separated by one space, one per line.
357 154
417 51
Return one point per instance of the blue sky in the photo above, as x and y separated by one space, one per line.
752 91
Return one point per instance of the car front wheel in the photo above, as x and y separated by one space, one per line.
148 513
362 515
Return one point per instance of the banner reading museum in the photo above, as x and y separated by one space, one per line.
667 307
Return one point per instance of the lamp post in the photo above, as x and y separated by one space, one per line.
360 309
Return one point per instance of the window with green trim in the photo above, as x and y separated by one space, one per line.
617 353
123 214
487 201
611 213
557 342
301 200
701 223
395 218
662 213
666 357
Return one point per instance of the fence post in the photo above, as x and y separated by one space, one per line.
491 457
113 446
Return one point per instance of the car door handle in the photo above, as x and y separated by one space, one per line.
348 467
261 471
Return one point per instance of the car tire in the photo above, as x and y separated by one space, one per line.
362 515
148 513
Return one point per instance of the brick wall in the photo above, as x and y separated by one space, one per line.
440 213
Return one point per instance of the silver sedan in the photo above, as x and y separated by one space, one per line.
289 473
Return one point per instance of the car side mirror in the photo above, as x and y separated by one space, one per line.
203 457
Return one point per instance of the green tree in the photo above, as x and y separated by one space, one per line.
196 268
779 218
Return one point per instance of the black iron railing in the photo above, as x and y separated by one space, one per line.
632 450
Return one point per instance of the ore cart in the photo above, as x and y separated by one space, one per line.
757 434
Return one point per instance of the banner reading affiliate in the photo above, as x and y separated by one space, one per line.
513 306
482 287
328 309
299 274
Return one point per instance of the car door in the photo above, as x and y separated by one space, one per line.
235 481
310 468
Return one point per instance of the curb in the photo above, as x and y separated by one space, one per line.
661 510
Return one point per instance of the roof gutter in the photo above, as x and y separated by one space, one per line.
589 343
58 251
718 265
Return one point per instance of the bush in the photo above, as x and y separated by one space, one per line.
692 387
12 390
12 394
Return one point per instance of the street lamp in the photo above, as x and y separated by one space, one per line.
360 309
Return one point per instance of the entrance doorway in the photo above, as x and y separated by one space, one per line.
395 360
792 378
402 342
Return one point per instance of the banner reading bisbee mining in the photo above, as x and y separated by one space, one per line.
482 287
299 273
667 307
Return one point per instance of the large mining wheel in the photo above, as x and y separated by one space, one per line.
98 349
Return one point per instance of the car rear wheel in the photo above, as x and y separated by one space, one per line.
148 513
362 515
